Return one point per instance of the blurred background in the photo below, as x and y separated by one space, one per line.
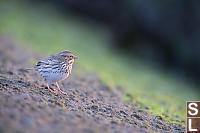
150 49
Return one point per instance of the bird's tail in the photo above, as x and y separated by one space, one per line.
31 68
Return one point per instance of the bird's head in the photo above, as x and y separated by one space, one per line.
68 55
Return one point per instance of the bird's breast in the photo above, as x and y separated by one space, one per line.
69 69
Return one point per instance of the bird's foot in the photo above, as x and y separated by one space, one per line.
53 91
62 92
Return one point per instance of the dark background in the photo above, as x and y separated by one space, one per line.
162 33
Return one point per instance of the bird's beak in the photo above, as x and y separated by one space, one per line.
75 57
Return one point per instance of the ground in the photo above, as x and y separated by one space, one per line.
90 106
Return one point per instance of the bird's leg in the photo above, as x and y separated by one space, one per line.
53 91
60 89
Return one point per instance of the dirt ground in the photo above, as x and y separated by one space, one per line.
90 106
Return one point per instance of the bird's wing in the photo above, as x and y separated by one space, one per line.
51 61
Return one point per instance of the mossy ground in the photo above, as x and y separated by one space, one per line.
44 29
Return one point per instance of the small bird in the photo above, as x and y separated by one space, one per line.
55 68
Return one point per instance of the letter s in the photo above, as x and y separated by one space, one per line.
193 108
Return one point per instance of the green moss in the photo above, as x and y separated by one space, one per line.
43 29
117 120
35 90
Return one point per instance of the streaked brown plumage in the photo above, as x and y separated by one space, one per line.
55 68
